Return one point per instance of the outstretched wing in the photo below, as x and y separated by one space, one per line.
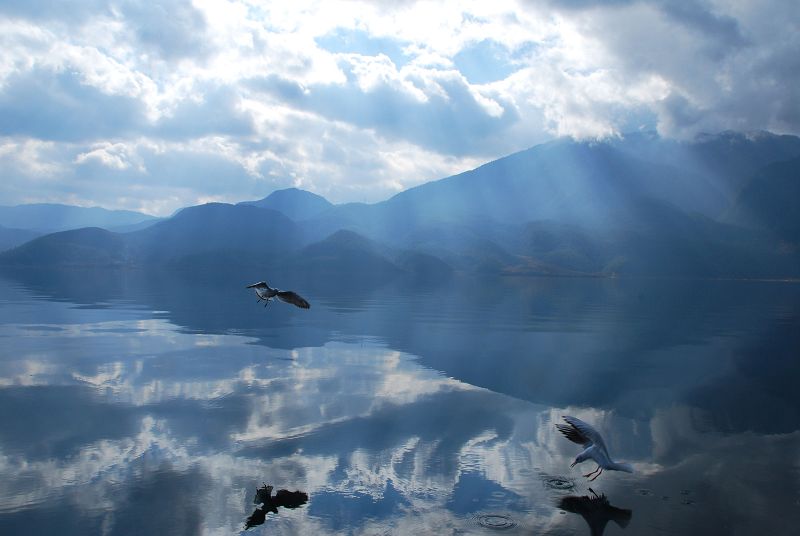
580 432
292 297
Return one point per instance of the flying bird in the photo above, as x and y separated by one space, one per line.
595 449
266 293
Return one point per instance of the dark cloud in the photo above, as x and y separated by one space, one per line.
172 29
453 123
587 4
678 114
723 71
59 106
720 33
699 18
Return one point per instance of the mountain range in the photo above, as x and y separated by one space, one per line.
47 218
718 206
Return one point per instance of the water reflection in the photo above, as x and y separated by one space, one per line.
596 510
270 504
135 408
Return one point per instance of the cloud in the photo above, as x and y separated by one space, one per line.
357 100
214 111
111 155
173 29
729 67
67 10
358 41
438 111
58 106
485 61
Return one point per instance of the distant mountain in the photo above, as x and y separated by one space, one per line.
571 248
674 243
245 232
294 203
10 238
129 228
90 246
345 254
471 246
46 217
585 208
726 158
593 185
216 234
638 205
423 266
770 200
736 156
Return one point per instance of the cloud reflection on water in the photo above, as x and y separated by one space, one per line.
104 417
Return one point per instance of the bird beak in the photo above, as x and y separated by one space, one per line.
572 464
251 286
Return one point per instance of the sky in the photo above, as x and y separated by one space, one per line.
157 105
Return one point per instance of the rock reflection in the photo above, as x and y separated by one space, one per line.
596 510
271 503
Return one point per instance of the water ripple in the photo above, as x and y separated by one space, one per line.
494 521
558 483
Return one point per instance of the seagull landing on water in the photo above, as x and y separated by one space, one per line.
266 293
595 449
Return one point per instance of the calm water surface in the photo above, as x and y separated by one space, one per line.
135 403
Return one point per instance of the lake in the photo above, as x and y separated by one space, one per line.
157 403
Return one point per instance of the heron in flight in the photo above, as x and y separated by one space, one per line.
595 449
266 293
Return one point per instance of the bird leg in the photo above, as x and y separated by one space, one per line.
598 474
587 475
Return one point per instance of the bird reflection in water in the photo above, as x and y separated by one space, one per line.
270 503
596 511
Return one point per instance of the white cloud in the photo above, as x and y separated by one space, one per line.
112 155
31 157
356 100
